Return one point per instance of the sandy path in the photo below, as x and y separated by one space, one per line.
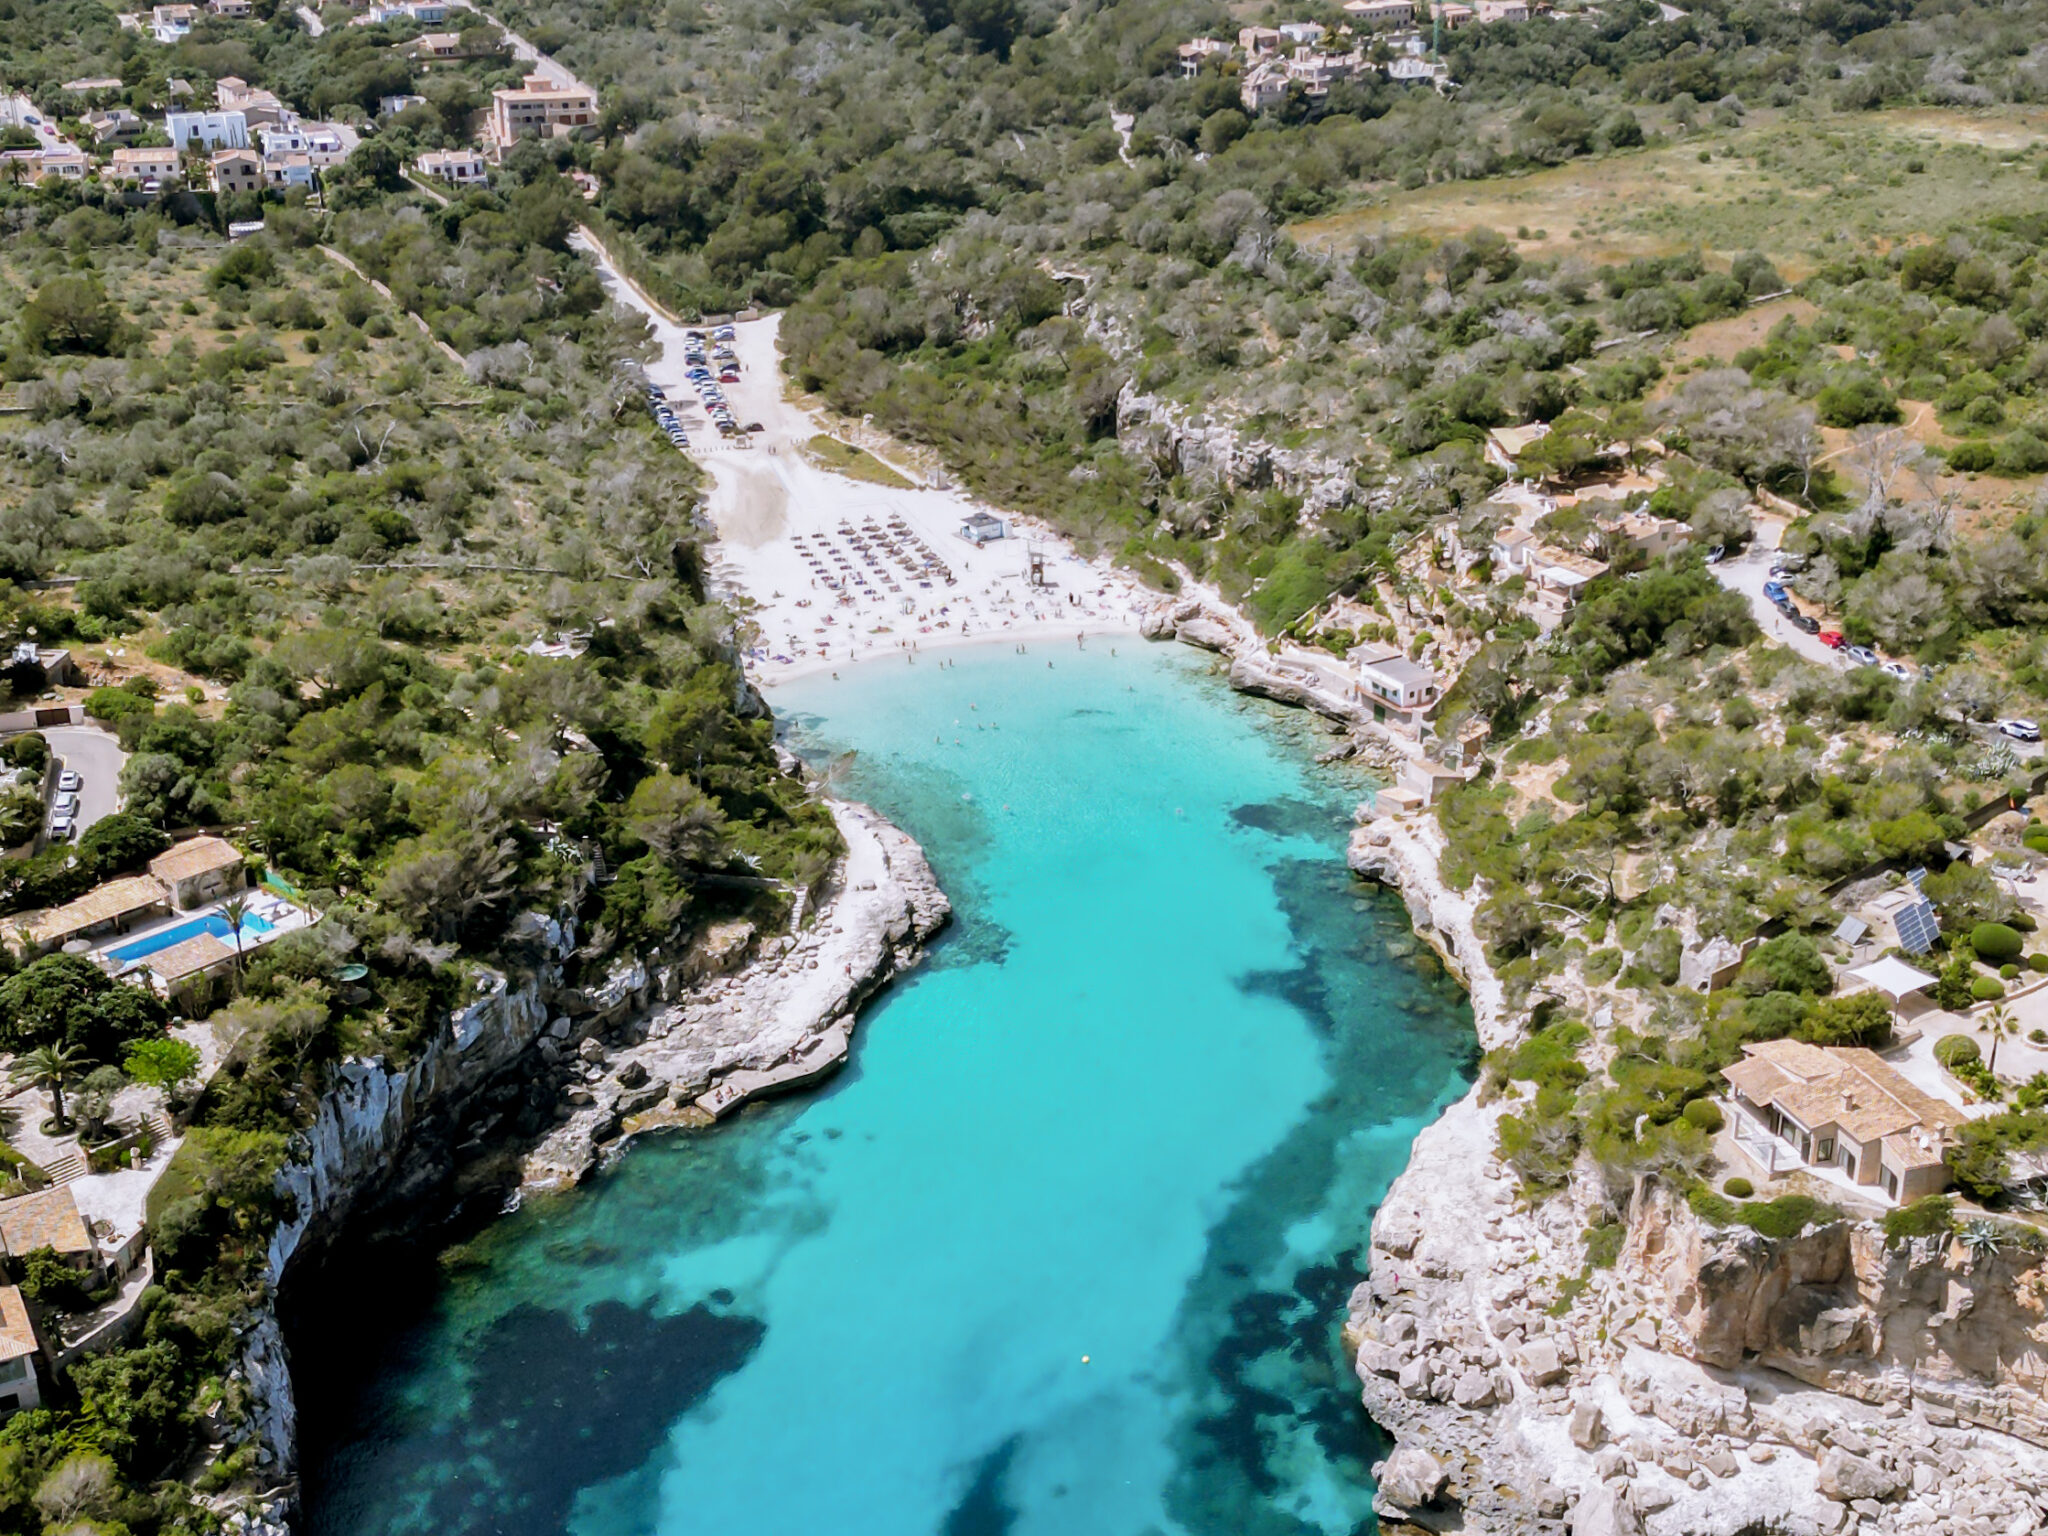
825 570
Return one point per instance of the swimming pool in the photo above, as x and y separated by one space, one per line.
212 923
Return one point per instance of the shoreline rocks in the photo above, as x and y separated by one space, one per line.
388 1142
1685 1391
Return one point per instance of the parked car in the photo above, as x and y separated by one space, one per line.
65 805
1899 670
1717 554
67 780
1775 591
2019 730
1832 639
61 828
1806 623
1863 656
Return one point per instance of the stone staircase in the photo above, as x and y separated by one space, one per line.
63 1170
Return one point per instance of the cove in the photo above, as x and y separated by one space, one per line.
1063 1250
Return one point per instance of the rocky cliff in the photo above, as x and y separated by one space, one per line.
385 1138
1712 1382
1181 442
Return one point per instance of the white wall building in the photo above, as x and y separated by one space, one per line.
207 130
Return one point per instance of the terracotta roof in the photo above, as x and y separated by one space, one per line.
194 856
46 1219
201 952
1846 1086
101 904
17 1333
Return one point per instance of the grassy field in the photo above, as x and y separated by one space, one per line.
1793 189
855 463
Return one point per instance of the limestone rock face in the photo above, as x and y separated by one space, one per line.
1840 1308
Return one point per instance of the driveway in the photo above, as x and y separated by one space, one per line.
1747 576
97 758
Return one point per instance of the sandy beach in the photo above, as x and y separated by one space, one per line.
825 569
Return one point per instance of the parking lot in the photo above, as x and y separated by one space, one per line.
96 757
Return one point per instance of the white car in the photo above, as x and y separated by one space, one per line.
61 828
65 805
2019 730
1899 670
69 782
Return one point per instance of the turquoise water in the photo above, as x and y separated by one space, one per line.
1063 1250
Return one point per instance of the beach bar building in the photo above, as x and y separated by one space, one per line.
984 528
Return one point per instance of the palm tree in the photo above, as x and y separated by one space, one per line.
49 1067
2001 1023
236 911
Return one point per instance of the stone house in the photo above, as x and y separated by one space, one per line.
1845 1108
198 870
19 1347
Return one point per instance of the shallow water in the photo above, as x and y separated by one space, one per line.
1063 1250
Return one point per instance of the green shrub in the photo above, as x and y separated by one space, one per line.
1603 1244
1931 1217
1705 1114
1972 456
1987 989
2038 964
1710 1207
1739 1187
1864 1018
1788 963
2038 1036
1787 1216
1995 942
115 704
1953 1051
31 750
2007 971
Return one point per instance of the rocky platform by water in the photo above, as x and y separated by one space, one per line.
783 1021
1712 1383
636 1051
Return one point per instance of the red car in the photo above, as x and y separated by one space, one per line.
1832 639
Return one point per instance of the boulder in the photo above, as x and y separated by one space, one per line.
1408 1479
1474 1389
1607 1511
1845 1477
1378 1359
1538 1361
1588 1429
632 1075
1206 633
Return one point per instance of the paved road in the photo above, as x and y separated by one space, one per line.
96 757
1747 576
557 74
17 110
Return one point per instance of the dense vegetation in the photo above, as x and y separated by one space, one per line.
306 553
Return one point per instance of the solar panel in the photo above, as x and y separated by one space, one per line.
1851 930
1914 877
1917 927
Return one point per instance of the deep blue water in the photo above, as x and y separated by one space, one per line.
1066 1247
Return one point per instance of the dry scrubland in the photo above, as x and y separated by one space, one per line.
1793 189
